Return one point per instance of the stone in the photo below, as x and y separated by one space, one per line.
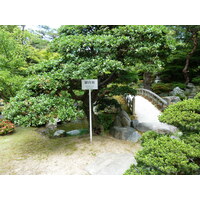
172 99
174 137
111 164
77 132
178 92
1 117
117 121
190 85
125 133
122 119
125 119
157 127
53 124
134 123
59 133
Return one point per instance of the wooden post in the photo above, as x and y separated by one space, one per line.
133 105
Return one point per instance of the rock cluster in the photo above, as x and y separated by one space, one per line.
122 130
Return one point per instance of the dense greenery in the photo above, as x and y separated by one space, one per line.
112 54
162 155
160 88
17 54
183 64
185 115
166 155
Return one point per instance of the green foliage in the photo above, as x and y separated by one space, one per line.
12 51
111 54
106 120
196 80
159 88
107 103
6 127
149 135
197 96
185 115
9 84
162 155
28 110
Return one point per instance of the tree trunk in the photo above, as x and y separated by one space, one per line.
186 68
147 80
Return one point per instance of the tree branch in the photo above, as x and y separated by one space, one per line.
108 80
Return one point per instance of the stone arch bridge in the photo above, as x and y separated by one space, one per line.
155 99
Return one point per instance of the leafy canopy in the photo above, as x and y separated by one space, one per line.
110 54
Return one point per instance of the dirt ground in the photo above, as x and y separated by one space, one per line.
28 153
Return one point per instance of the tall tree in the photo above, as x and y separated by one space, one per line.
193 33
111 54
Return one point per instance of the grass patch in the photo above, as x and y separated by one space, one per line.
25 143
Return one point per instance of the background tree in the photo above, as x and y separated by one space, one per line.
185 58
111 54
16 55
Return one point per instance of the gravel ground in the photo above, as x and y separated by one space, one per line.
28 153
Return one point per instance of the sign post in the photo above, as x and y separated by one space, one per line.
91 84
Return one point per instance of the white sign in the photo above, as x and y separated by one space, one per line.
90 84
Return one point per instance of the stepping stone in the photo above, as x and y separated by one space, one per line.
111 164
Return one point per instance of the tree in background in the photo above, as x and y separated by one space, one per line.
186 56
111 54
193 33
16 55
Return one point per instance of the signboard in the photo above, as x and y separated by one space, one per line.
90 84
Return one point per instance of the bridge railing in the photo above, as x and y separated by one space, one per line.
154 98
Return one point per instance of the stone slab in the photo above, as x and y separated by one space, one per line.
111 164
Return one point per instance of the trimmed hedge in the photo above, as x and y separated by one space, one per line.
162 155
185 114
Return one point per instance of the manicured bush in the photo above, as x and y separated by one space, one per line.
149 135
165 156
185 115
6 127
28 110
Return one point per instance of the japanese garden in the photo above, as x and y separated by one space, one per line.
145 111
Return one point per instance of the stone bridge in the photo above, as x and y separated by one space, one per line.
159 102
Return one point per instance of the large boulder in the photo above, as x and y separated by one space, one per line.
134 123
178 92
117 121
125 133
122 119
157 127
172 99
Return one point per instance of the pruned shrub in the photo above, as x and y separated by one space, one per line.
185 115
166 156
